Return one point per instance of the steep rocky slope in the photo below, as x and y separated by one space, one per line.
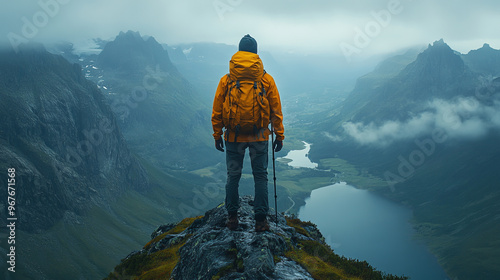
203 248
61 137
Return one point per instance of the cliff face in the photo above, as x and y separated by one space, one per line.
203 248
61 137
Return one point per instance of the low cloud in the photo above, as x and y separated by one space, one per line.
322 25
461 118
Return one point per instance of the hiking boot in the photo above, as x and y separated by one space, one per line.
232 221
261 225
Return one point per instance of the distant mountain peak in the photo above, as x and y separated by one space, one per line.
439 45
438 56
439 42
132 52
130 34
485 60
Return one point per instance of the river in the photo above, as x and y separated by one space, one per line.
361 225
299 158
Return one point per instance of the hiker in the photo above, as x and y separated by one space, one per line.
245 103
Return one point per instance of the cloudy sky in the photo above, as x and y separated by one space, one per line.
353 28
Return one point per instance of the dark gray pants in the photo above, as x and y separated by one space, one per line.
235 152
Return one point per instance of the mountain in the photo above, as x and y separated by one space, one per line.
71 165
485 60
203 248
430 135
161 116
438 72
371 82
83 198
62 139
130 53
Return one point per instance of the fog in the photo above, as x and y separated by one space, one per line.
461 118
354 29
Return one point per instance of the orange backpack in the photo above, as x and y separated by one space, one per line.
246 107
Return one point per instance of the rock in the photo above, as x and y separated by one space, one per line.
62 138
214 248
204 248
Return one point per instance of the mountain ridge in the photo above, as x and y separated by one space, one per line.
393 132
139 51
485 60
432 75
59 126
83 196
161 115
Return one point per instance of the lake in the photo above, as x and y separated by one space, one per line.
361 225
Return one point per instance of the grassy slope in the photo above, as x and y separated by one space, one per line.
92 245
454 195
465 233
314 255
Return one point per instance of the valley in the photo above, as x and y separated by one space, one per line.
125 145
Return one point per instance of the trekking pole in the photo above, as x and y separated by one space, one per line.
274 177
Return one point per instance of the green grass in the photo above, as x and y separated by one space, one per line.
106 234
352 175
205 172
92 248
158 265
322 263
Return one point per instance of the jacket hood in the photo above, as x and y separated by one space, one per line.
246 66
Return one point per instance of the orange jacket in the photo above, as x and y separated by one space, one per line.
272 95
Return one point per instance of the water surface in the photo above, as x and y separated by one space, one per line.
365 226
299 158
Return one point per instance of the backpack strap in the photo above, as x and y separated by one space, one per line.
232 84
263 93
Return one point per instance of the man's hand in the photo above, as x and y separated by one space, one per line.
277 145
219 144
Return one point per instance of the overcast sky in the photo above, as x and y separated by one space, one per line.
354 28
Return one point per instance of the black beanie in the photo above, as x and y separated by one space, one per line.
248 44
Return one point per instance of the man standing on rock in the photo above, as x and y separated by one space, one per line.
245 103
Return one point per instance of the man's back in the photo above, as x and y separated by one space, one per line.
245 103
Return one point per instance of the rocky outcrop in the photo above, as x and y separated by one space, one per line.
203 248
242 253
61 137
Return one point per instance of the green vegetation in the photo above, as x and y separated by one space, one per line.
298 225
95 242
158 265
322 263
352 174
180 227
298 183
